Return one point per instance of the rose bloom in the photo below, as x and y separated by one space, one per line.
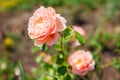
81 62
81 31
44 26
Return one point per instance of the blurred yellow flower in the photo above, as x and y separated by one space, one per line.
42 54
8 42
6 4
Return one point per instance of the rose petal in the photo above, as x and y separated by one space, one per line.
53 38
63 22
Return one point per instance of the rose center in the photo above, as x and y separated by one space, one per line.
39 20
79 61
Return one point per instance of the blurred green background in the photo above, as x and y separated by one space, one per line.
99 18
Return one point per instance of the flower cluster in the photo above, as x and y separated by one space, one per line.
44 27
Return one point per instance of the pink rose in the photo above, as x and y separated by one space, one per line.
81 62
44 26
81 31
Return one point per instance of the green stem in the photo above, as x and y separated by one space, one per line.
61 42
22 72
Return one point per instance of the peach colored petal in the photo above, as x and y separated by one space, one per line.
38 13
63 21
80 73
53 38
51 11
59 25
91 65
39 42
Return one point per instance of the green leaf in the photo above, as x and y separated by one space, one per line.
51 71
68 77
94 44
62 70
47 66
95 55
67 33
80 38
117 64
118 44
57 46
42 78
55 78
35 49
43 47
38 59
59 59
22 72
